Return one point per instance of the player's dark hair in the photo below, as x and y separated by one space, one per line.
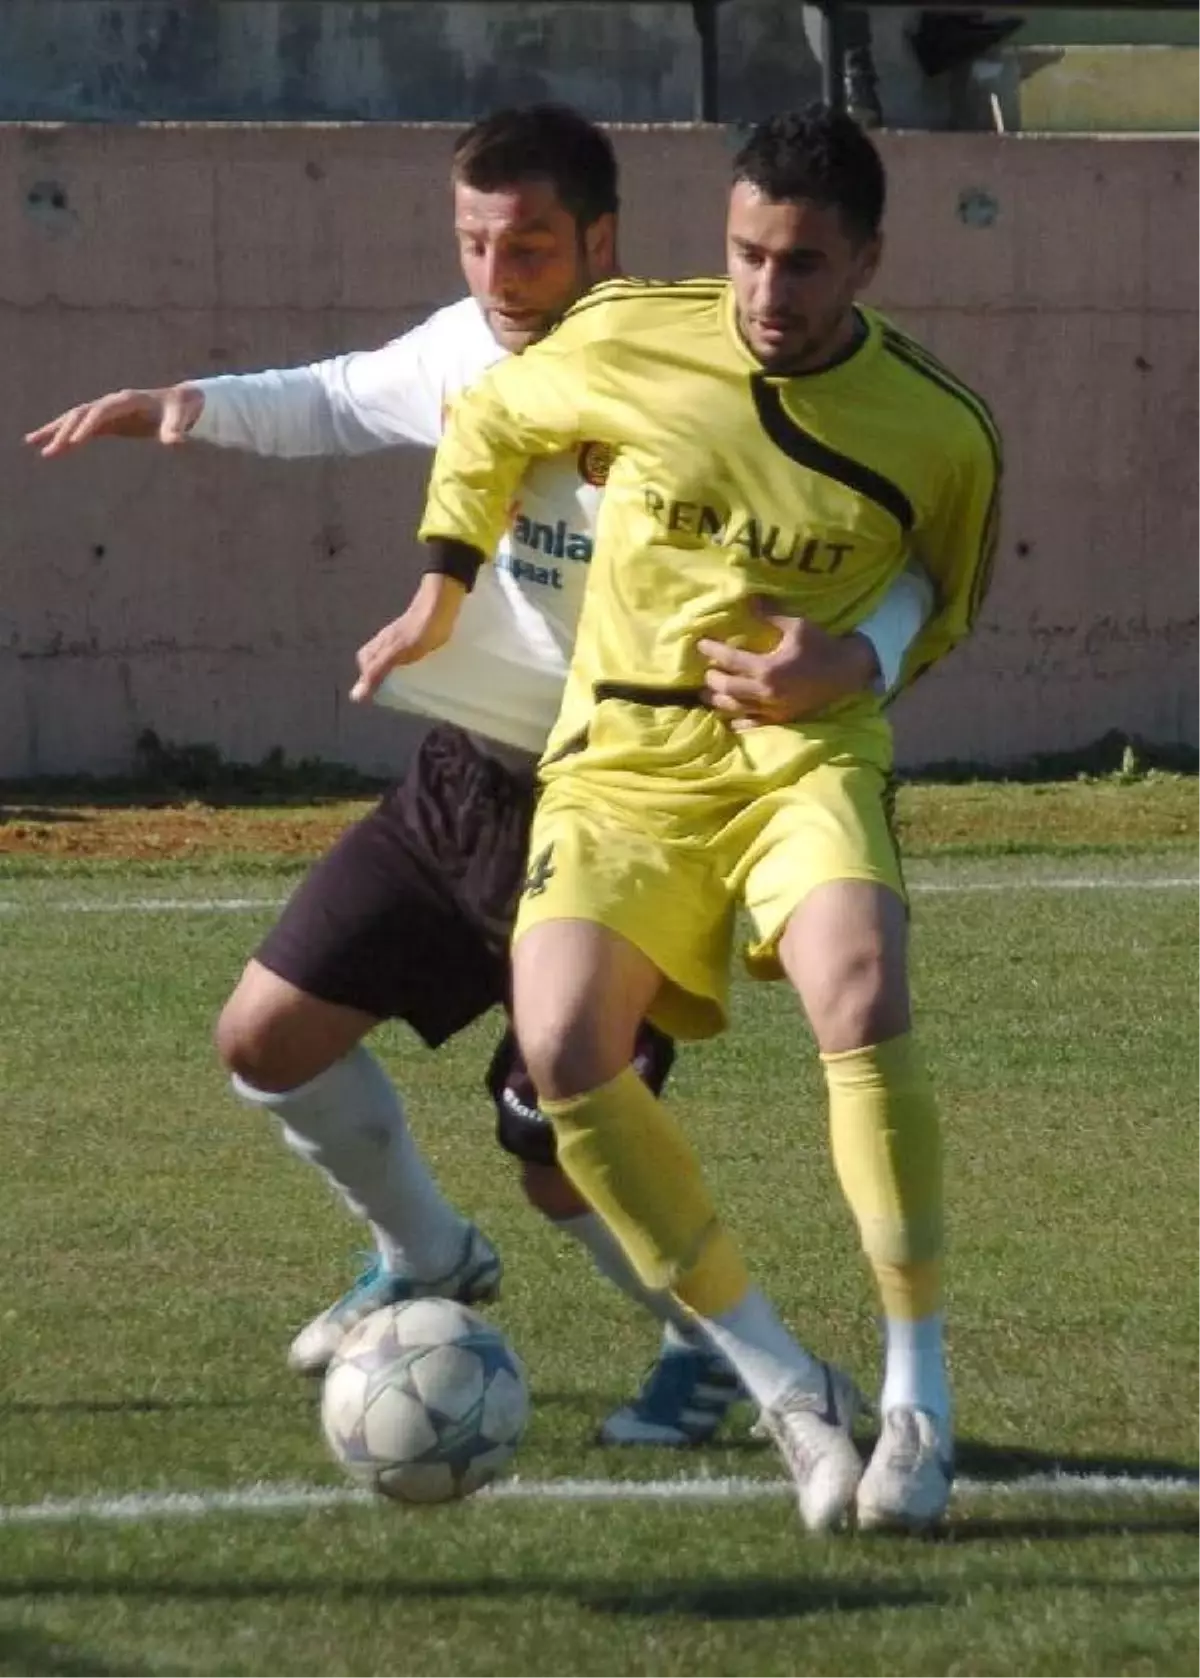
821 156
541 142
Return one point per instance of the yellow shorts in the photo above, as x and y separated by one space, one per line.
666 820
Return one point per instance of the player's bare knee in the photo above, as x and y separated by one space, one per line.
579 995
563 1041
854 991
227 1036
856 1001
570 1053
247 1047
268 1044
277 1037
845 953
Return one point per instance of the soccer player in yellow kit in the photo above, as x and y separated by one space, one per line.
771 437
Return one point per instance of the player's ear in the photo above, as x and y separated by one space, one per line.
600 243
869 257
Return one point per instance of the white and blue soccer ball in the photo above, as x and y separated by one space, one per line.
424 1401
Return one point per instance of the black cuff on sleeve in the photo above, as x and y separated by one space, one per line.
454 559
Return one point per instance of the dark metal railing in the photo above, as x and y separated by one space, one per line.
833 47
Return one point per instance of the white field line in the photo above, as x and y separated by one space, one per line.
139 905
291 1499
1179 882
237 905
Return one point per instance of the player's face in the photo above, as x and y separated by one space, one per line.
795 272
525 258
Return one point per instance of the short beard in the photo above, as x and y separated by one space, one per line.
813 354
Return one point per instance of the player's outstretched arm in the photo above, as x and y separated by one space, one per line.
348 405
167 414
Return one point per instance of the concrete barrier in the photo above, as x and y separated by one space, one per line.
219 598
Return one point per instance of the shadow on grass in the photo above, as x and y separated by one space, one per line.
712 1598
757 1599
761 1599
147 1406
25 1649
975 1459
997 1529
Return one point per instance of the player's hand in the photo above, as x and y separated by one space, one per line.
426 626
806 671
168 414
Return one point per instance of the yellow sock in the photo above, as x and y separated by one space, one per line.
909 1291
629 1159
887 1152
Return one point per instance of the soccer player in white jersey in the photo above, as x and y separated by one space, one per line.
408 916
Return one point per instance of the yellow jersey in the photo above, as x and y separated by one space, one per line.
725 481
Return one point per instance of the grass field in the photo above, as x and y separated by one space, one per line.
161 1249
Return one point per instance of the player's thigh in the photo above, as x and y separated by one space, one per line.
376 928
833 825
591 864
277 1036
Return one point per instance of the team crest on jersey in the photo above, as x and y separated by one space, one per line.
594 462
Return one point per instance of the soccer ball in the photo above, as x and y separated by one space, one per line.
424 1401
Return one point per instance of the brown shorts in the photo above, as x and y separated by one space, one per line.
408 916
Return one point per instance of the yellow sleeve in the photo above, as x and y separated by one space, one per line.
521 409
957 546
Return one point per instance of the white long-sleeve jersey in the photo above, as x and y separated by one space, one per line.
501 675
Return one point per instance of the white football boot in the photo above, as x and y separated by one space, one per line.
474 1280
906 1487
812 1431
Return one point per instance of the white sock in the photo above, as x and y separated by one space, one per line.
592 1232
758 1346
915 1366
349 1122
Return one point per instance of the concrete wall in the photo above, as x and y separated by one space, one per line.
219 598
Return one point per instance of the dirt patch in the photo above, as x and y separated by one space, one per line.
170 832
1152 810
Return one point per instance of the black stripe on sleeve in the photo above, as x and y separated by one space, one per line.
927 367
920 360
